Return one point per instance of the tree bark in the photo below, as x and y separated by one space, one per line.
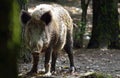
105 24
115 40
9 39
80 30
84 6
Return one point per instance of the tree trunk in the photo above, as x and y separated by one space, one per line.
9 38
115 40
80 30
105 24
84 6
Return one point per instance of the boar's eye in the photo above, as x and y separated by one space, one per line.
46 17
25 17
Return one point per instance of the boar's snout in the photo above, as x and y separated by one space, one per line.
37 47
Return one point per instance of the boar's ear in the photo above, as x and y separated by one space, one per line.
46 17
25 17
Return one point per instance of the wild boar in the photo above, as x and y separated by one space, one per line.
48 28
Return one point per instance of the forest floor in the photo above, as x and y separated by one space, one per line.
86 60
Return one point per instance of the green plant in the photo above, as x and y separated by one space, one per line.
79 33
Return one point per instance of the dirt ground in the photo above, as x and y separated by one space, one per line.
86 60
97 60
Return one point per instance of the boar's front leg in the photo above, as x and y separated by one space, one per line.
69 49
54 58
48 57
35 63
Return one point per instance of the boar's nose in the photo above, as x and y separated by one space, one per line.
37 46
33 47
40 46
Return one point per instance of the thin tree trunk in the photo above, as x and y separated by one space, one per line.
84 6
93 43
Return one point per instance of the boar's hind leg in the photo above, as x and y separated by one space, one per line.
69 49
35 63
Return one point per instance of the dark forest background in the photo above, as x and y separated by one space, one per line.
104 34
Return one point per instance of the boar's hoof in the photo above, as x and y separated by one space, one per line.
48 74
72 70
31 73
54 72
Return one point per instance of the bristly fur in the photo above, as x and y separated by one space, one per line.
49 28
